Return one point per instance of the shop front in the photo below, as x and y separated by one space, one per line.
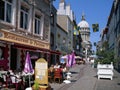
13 48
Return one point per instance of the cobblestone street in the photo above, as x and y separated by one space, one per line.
84 77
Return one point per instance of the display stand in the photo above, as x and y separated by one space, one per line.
41 74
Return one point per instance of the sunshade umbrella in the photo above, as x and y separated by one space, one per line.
70 63
64 57
28 69
62 60
78 57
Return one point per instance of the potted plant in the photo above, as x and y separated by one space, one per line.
36 86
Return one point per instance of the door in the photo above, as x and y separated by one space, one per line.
13 60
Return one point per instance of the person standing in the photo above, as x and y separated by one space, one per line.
57 65
92 62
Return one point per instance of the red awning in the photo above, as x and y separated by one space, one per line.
55 52
36 49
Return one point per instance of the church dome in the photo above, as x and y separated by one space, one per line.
83 23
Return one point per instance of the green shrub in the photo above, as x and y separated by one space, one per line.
105 57
36 85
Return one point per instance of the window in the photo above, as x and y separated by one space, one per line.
52 39
64 40
6 10
52 19
58 36
37 24
24 17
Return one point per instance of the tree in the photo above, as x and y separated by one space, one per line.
105 57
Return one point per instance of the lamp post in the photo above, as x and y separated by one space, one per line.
86 52
86 49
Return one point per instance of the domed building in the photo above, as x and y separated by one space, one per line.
85 32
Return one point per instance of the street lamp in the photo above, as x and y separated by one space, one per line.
86 53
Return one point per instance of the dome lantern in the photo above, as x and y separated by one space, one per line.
83 17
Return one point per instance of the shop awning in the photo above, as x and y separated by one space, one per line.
36 49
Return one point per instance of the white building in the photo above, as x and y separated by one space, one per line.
85 32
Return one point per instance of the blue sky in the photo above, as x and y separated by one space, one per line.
96 11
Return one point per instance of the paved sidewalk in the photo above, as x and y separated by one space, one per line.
84 78
106 84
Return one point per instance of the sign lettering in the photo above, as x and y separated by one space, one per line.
23 40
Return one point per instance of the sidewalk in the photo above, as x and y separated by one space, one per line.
84 77
106 84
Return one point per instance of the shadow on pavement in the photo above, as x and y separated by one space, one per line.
95 76
73 80
115 77
118 84
74 72
52 89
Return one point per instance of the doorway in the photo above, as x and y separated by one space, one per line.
13 59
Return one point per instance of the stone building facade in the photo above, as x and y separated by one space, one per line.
112 31
65 17
24 27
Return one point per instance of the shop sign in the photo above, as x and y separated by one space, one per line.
11 37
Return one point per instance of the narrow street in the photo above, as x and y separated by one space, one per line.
84 78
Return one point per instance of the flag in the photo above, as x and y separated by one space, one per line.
94 43
76 30
95 27
75 27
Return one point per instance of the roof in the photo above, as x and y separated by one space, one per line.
83 24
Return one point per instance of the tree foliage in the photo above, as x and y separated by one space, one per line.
105 57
